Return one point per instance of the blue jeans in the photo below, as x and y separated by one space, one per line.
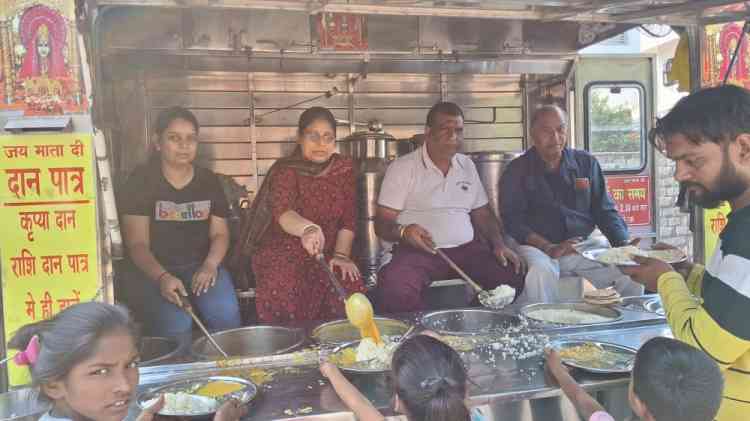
218 307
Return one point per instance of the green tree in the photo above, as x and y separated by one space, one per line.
612 127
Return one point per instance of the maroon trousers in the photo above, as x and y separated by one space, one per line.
402 281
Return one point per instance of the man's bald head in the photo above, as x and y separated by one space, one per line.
549 132
548 109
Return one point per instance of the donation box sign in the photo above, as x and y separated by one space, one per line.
48 236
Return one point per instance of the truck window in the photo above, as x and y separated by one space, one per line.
615 126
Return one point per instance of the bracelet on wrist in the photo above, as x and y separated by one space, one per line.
341 255
401 231
310 228
162 276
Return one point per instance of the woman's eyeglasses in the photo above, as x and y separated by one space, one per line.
325 139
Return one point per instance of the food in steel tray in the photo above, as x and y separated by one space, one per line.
185 404
594 356
567 316
624 255
603 296
367 355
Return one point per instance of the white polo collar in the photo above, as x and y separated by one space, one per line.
429 163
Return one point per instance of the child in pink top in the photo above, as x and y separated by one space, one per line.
671 381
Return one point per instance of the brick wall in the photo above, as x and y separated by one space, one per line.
673 225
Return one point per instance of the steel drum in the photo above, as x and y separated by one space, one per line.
468 321
22 405
252 341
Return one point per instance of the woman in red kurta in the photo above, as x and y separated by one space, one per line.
311 199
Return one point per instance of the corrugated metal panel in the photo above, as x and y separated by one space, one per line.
222 102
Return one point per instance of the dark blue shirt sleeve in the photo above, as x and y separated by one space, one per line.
514 204
604 210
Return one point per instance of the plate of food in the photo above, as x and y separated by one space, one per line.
602 297
596 357
198 397
364 356
577 313
623 256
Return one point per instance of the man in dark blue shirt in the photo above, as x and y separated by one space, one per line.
553 197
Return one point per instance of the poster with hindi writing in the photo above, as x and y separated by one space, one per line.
632 197
48 238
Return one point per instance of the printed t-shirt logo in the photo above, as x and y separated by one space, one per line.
464 185
183 212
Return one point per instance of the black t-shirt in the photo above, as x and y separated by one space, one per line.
179 219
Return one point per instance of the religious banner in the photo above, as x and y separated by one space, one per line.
40 72
632 197
342 32
718 45
48 238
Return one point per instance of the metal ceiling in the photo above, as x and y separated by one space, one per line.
672 12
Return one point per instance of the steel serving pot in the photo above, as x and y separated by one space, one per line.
251 341
23 405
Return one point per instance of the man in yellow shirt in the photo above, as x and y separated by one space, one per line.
707 134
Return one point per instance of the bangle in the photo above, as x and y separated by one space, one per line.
161 276
310 227
401 231
341 255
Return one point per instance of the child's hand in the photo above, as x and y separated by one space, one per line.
231 410
553 363
328 369
151 412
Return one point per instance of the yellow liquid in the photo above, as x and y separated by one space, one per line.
218 389
360 314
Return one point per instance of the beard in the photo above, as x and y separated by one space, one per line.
729 186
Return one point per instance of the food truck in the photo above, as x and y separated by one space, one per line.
81 83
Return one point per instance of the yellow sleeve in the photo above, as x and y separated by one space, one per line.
691 323
695 279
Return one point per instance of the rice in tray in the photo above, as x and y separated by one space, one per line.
182 403
567 316
367 355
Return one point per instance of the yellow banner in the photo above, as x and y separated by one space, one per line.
714 221
48 238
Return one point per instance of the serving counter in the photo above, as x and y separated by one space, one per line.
502 386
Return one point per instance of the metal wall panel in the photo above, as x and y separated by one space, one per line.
223 101
263 30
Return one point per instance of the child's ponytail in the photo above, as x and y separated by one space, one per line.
430 380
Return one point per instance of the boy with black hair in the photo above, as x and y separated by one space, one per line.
671 381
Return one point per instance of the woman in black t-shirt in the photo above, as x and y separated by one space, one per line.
174 215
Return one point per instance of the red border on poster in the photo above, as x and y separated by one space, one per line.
632 195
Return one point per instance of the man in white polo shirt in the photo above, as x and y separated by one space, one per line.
433 198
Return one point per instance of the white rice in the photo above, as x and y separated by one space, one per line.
182 403
567 316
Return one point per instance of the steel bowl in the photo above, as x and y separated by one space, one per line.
622 366
359 367
23 405
654 305
468 321
339 332
156 350
251 341
612 314
245 395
